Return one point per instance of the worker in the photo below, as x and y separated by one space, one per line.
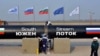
44 43
94 47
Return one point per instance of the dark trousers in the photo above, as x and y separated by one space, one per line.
44 49
94 52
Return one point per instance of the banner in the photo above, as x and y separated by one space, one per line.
59 11
43 11
75 11
28 11
13 10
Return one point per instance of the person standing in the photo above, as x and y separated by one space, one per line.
44 43
94 47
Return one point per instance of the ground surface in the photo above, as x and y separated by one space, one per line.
79 47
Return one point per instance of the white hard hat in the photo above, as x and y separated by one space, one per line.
96 38
49 22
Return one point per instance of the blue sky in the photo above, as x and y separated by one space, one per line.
86 6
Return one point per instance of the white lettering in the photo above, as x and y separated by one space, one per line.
28 29
25 33
33 33
18 33
57 33
65 33
64 29
62 33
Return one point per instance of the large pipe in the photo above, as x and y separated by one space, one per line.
60 31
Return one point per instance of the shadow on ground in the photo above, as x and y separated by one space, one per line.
72 48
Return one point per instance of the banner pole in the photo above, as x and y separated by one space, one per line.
34 14
48 14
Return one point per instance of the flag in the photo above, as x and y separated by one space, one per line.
13 10
2 31
43 11
75 11
59 11
28 11
92 30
